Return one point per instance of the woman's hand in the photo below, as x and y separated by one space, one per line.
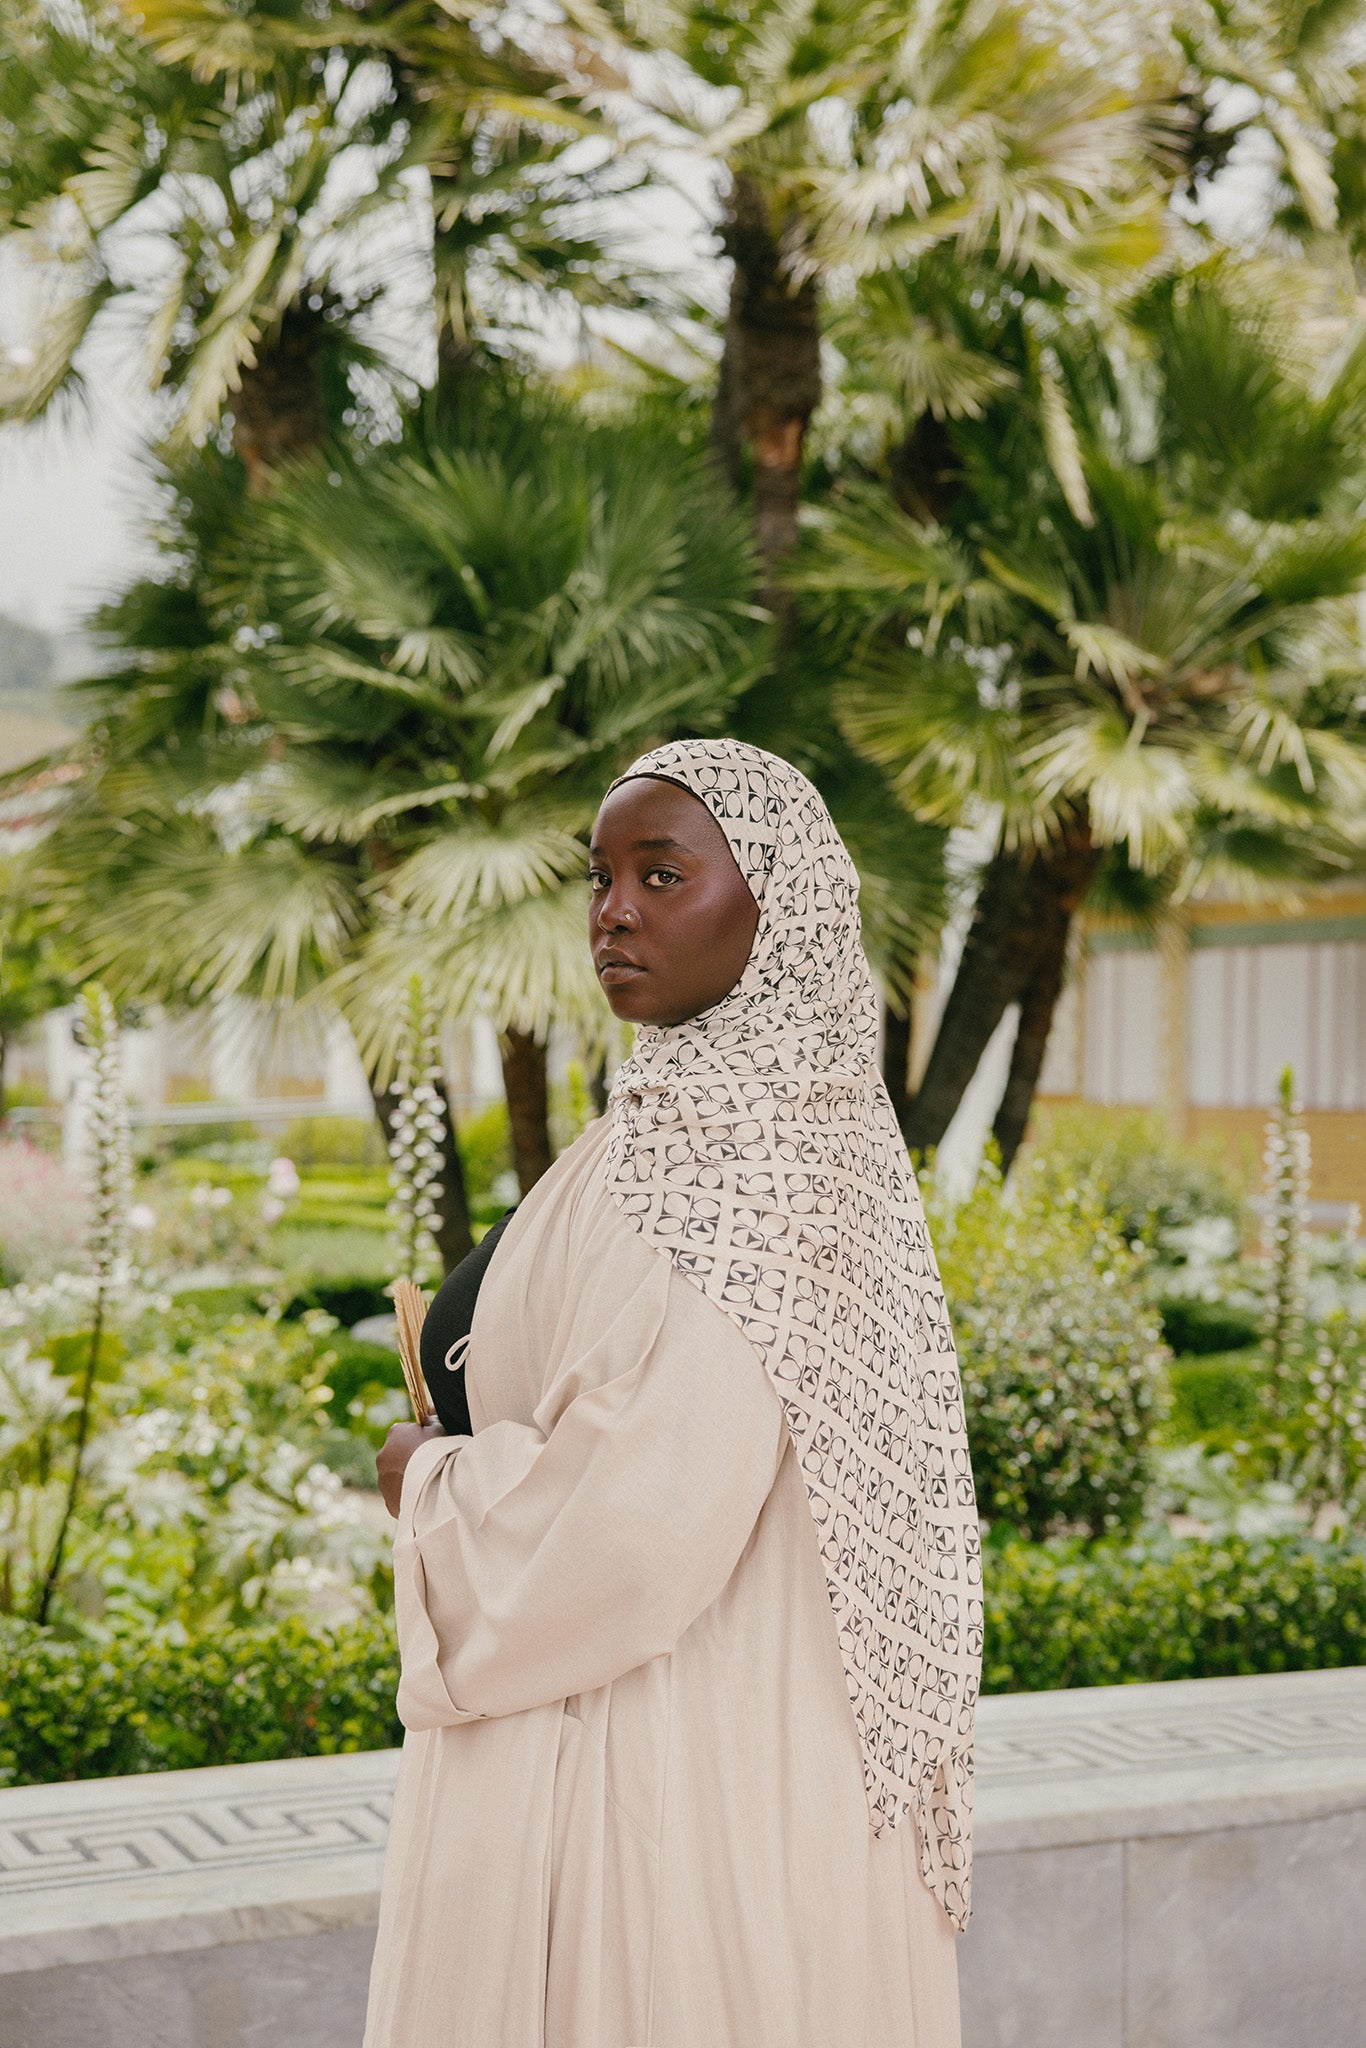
392 1462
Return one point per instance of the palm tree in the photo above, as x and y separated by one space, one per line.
248 185
216 219
850 138
1147 670
363 730
1298 74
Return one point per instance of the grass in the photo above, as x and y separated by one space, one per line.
329 1252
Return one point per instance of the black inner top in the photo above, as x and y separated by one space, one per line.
448 1320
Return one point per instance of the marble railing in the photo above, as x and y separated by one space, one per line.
1164 1866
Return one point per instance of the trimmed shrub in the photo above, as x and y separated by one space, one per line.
1216 1400
1199 1327
139 1703
350 1299
1058 1615
1148 1184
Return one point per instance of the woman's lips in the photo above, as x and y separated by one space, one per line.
616 971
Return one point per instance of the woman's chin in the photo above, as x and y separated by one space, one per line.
631 1004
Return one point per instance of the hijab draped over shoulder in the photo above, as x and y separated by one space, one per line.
756 1146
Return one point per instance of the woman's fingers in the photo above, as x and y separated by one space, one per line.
392 1462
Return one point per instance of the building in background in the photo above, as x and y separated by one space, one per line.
1202 1025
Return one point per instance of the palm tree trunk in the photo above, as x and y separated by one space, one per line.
526 1086
995 963
770 379
1038 1001
279 414
1023 912
896 1059
454 1238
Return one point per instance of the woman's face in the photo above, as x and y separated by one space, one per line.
671 919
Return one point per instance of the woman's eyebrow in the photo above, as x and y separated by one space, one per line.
649 846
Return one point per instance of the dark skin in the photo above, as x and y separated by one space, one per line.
670 926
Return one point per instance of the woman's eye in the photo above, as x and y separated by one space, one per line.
597 880
663 876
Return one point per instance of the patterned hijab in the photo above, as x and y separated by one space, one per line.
757 1147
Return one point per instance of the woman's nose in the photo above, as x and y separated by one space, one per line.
618 914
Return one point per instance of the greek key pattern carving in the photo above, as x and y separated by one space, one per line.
157 1836
1057 1747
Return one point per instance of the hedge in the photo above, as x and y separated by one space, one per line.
137 1703
1217 1399
1198 1327
1057 1616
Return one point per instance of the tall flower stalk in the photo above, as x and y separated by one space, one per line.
1333 1470
415 1136
110 1179
1285 1214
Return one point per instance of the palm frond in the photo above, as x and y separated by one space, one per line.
482 867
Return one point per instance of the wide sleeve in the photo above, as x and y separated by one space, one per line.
535 1561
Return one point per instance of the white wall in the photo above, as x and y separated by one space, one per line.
1123 1028
1255 1010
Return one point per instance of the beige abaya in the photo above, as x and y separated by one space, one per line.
631 1810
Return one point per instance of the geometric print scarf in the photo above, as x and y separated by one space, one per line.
756 1146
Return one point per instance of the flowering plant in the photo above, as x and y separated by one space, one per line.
206 1496
415 1144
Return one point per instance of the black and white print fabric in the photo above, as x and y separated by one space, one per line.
756 1146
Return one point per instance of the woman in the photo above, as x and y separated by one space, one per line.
717 1494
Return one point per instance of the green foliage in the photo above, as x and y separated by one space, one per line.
1063 1615
35 968
1057 1615
1061 1352
357 1371
215 1220
210 1493
333 1141
331 1252
1215 1400
349 1297
409 674
486 1148
1198 1327
103 1708
1148 1182
1106 605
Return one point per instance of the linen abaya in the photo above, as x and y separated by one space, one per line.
631 1810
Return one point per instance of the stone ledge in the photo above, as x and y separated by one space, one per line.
1091 1807
190 1859
1110 1762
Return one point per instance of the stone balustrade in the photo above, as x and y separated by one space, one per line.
1159 1866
